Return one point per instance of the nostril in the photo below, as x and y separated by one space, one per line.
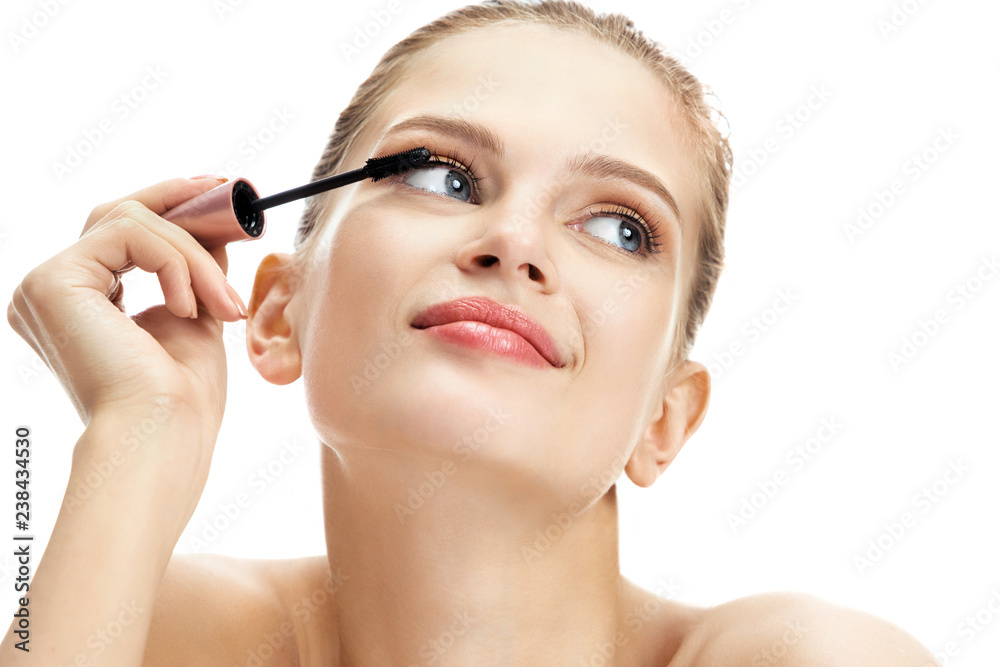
489 260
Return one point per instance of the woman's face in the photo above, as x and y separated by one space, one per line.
567 140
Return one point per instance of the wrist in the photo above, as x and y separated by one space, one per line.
141 430
153 461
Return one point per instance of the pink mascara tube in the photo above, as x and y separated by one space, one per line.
222 215
234 211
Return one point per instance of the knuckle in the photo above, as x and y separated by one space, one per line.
125 208
128 208
125 223
178 265
34 285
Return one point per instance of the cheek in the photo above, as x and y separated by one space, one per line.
625 321
356 325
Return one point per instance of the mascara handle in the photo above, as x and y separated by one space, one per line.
222 215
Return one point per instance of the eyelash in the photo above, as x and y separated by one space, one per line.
630 213
452 159
650 230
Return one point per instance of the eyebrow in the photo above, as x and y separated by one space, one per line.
589 164
478 135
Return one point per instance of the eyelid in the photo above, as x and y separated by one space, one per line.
632 212
452 160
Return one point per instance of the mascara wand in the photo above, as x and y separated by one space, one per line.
375 169
234 211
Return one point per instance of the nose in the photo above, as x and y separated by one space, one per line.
513 243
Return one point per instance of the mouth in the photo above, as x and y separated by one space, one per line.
483 323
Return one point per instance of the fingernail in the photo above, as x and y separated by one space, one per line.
237 301
193 301
221 179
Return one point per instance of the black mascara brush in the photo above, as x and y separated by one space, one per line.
234 211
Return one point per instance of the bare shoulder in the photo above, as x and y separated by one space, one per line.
220 610
784 629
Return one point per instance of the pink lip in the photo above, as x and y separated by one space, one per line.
510 331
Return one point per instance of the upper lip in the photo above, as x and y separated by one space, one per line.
483 309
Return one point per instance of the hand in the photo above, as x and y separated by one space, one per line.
112 364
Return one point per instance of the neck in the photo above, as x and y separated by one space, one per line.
450 567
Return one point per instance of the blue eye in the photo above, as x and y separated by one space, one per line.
616 231
622 228
443 179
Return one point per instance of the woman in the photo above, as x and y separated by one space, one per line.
469 490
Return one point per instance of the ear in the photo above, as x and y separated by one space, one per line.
685 401
272 341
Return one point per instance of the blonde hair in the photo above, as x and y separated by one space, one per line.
713 156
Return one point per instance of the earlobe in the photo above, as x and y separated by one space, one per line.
272 341
681 411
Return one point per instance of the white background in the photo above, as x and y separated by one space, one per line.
887 95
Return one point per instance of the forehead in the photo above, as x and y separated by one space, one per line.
551 94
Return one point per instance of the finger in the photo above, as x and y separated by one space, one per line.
221 258
207 276
117 294
99 254
19 318
158 198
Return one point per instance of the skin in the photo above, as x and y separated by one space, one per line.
558 442
390 250
510 555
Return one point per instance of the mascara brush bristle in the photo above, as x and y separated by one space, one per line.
397 163
376 168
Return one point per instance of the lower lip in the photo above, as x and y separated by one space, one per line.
485 337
